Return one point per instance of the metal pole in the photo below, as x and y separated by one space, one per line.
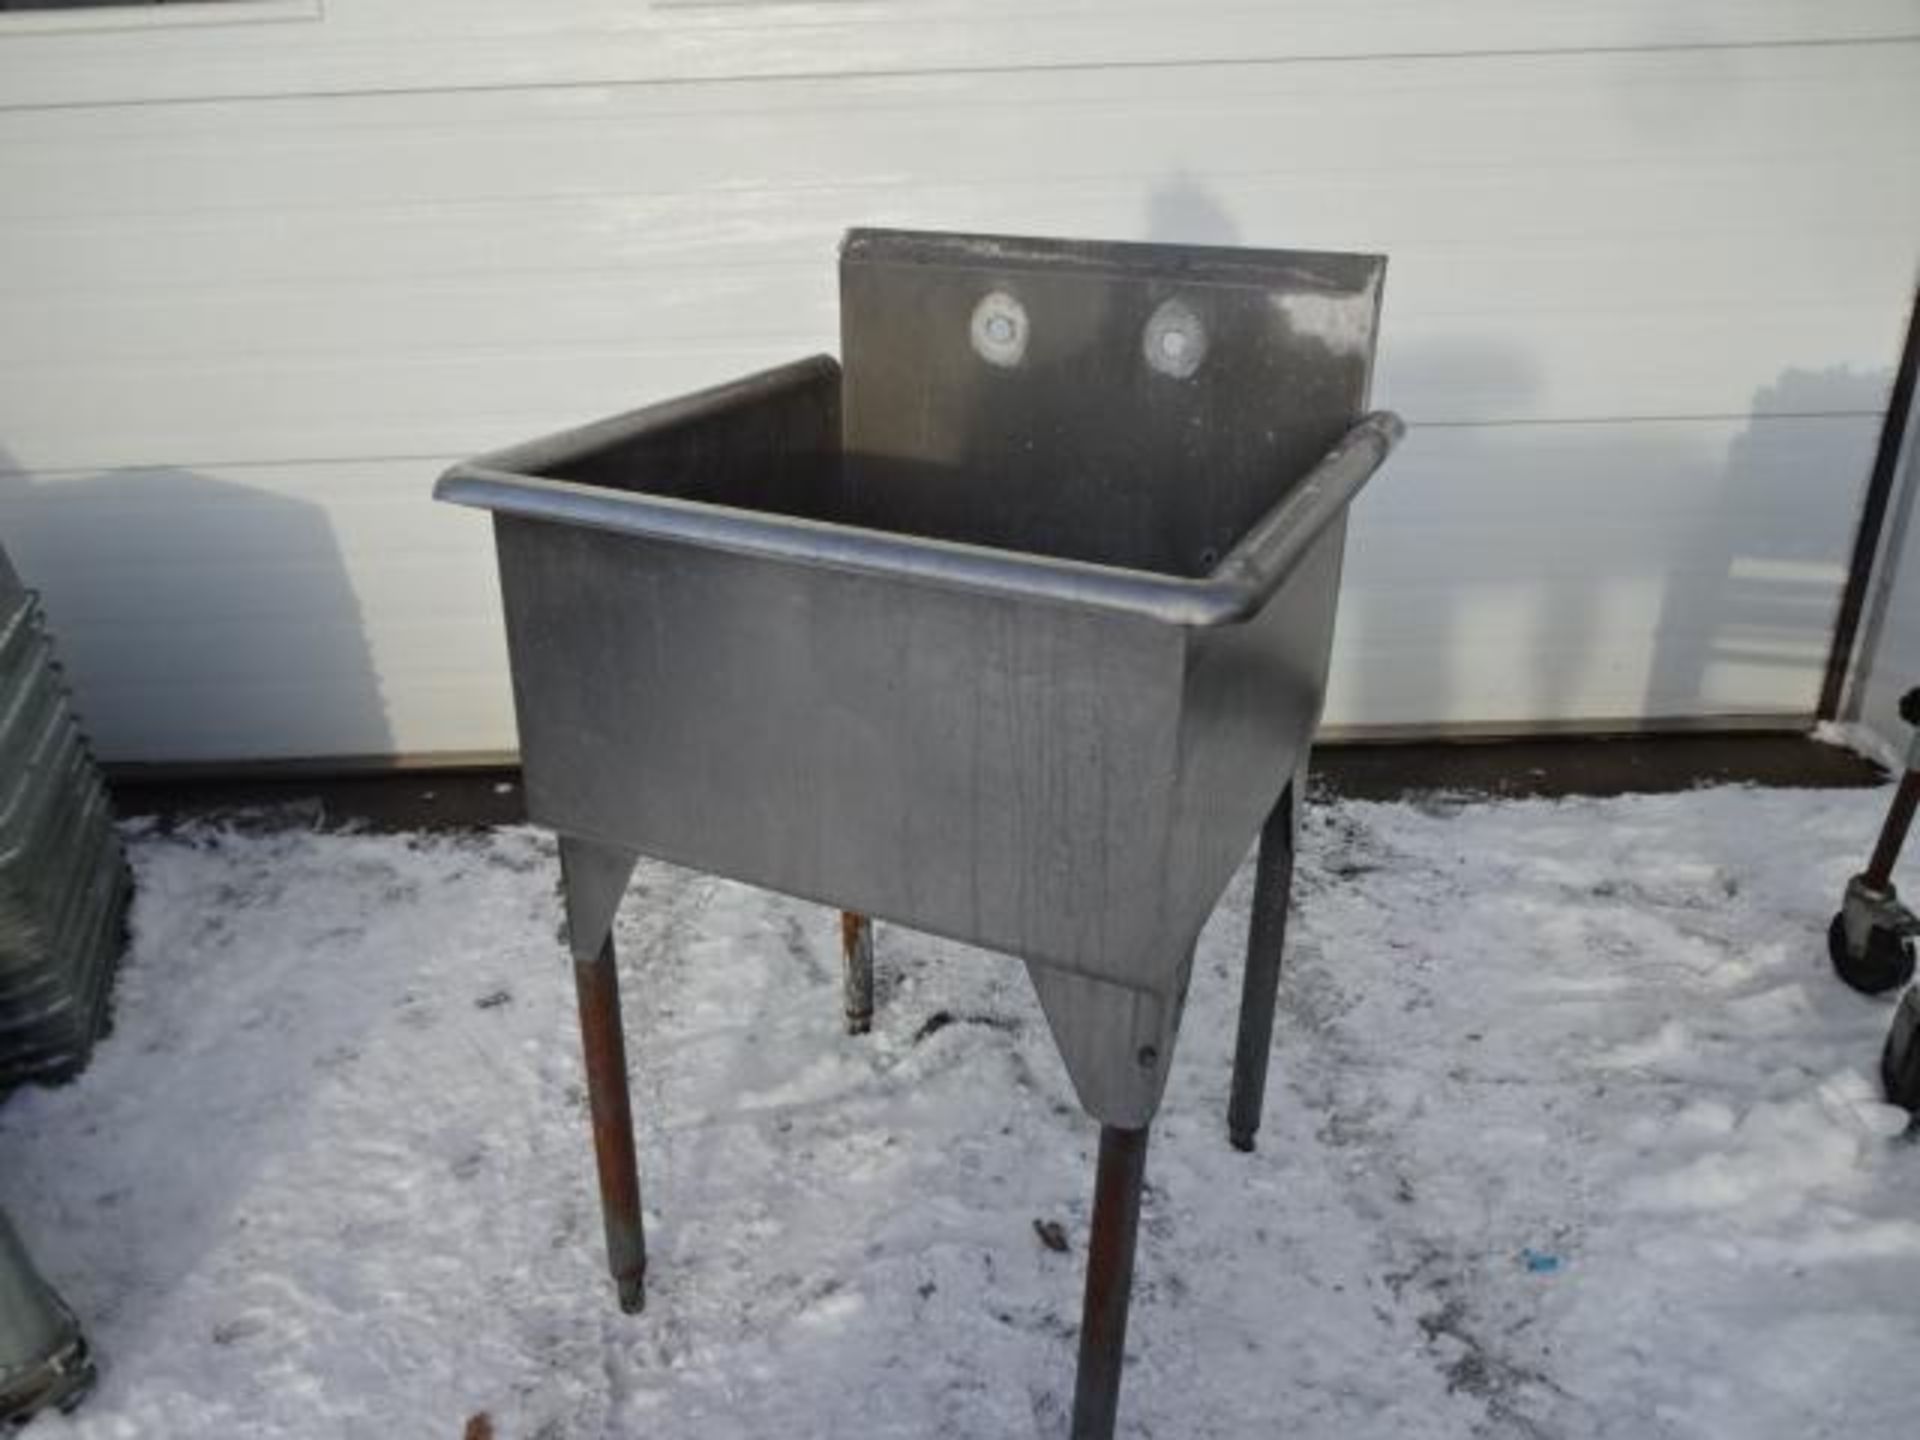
1266 940
1894 833
1103 1314
606 1053
856 953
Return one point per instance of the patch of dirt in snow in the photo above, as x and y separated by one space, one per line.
1569 1134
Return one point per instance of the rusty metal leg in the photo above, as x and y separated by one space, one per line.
606 1052
1266 940
856 953
1103 1315
1893 833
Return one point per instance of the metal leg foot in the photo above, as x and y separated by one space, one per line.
1103 1315
606 1055
856 953
1266 940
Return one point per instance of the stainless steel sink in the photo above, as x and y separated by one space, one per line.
1012 626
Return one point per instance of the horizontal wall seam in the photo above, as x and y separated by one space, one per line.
942 72
25 472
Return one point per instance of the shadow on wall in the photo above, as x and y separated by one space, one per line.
1182 211
1606 571
1511 570
1757 593
198 619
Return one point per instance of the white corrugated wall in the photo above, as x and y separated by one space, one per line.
267 265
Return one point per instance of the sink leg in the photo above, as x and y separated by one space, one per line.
856 953
1266 939
606 1053
1103 1315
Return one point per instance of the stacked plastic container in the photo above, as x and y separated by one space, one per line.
64 883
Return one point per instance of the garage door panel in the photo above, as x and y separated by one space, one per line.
1572 237
1643 310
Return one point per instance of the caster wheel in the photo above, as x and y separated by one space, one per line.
1888 961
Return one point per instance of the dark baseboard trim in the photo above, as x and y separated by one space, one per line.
446 796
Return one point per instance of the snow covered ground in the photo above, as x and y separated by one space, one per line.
1570 1133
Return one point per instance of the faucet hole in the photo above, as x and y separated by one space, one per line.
999 330
1175 341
